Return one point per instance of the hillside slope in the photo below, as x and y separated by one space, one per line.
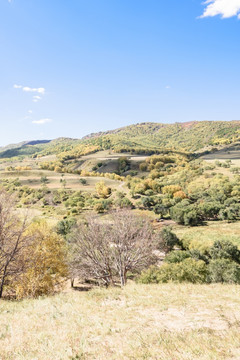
140 138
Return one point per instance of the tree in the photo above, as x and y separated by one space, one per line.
90 252
224 270
105 251
65 226
13 242
83 181
123 164
169 238
225 250
147 201
103 191
46 262
44 180
64 183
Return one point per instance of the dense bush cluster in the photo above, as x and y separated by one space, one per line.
220 263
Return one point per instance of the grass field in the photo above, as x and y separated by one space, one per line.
109 159
224 154
32 178
163 322
204 236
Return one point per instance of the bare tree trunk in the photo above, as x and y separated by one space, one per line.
1 288
3 281
122 277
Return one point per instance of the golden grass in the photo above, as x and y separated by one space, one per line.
201 237
140 322
32 179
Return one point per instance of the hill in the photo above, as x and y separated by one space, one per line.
22 148
190 137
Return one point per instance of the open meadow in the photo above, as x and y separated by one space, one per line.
160 322
202 237
32 179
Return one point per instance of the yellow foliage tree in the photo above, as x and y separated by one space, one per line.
46 259
171 189
180 194
103 191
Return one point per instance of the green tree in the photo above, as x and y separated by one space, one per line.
169 238
44 180
225 250
224 270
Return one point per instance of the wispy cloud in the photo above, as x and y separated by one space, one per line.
36 98
168 87
34 90
224 8
42 121
17 86
41 91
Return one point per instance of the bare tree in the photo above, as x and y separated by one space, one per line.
133 244
90 252
13 241
111 249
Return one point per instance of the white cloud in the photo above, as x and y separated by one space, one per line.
42 121
40 91
30 111
224 8
36 98
37 90
168 87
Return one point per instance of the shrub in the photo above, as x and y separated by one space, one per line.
124 203
177 256
83 181
64 227
189 270
225 250
230 213
99 207
224 270
149 276
143 166
169 238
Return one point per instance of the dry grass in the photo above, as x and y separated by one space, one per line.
204 236
223 155
140 322
32 179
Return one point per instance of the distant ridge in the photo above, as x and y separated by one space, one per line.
147 137
23 143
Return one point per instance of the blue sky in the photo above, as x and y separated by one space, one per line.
69 68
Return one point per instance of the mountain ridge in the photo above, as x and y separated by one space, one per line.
191 137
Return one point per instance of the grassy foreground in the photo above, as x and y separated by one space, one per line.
167 322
